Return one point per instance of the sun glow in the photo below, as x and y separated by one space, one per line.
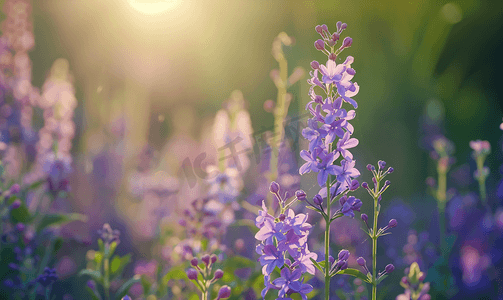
152 7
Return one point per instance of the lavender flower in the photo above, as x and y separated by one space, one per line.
281 236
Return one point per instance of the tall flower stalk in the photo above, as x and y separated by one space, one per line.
374 233
481 149
329 134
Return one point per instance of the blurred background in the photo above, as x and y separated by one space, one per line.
149 77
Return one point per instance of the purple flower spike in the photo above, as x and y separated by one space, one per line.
224 292
319 45
192 274
389 268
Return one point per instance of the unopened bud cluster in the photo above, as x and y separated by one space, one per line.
207 277
414 285
329 40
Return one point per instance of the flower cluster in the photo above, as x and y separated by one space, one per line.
205 220
207 279
329 123
413 284
285 234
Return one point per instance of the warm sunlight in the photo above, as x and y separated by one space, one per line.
151 7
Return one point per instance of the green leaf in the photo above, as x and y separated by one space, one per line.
354 272
194 297
2 169
122 263
174 273
59 219
95 275
122 291
36 184
318 265
340 294
57 245
20 214
115 265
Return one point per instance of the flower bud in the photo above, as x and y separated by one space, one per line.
194 262
392 223
324 27
301 195
381 164
20 227
331 259
282 217
389 268
365 185
192 274
319 44
92 285
347 42
318 29
224 292
206 259
387 183
213 258
315 65
361 261
343 264
318 200
274 187
344 26
16 204
343 254
15 188
390 170
354 185
343 200
218 274
318 99
335 37
332 56
365 218
338 25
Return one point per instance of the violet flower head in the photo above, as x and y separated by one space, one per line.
48 277
108 235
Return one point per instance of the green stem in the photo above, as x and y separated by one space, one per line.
106 282
374 245
441 199
481 179
327 244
